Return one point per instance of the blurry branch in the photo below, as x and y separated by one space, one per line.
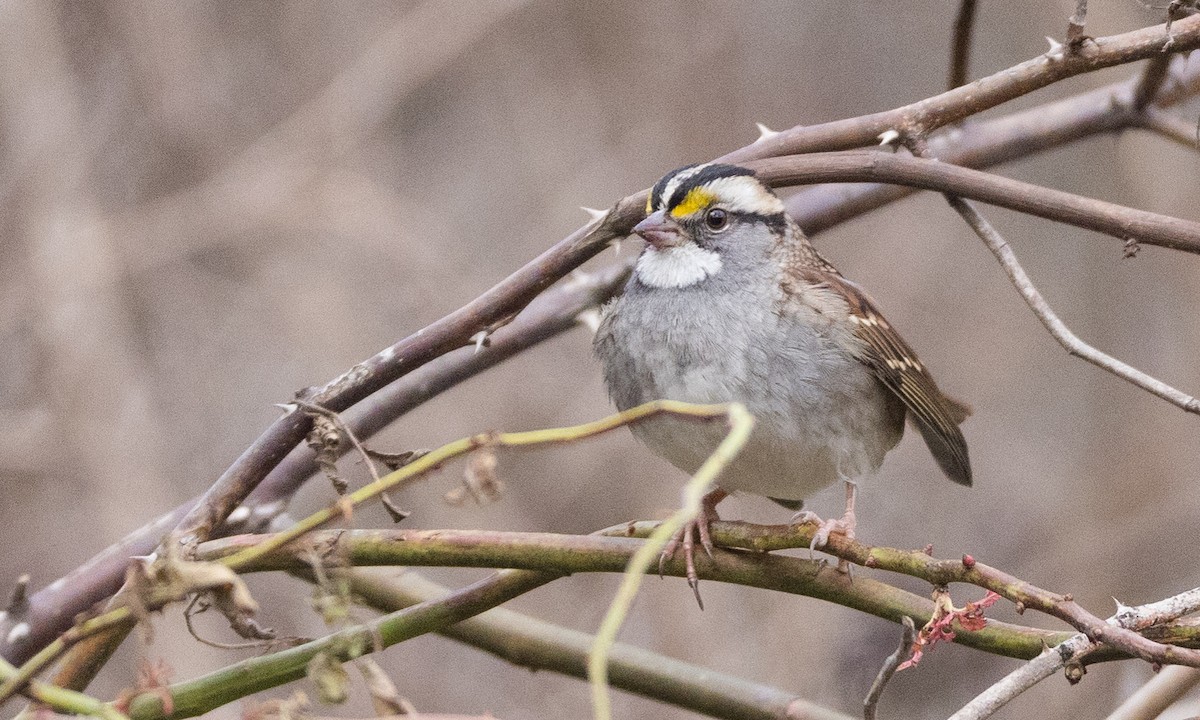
903 651
1072 653
1163 690
540 645
960 45
509 296
1171 127
1150 81
63 700
1053 324
357 101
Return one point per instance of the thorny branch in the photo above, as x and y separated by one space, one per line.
918 119
1071 653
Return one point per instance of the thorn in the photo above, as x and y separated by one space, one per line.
287 408
889 138
764 132
590 319
1057 50
480 339
594 214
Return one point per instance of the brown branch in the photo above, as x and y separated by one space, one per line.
1150 81
960 52
992 142
1109 218
1076 24
954 105
1056 327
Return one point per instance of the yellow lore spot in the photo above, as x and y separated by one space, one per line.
695 201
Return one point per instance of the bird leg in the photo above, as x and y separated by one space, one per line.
687 537
843 526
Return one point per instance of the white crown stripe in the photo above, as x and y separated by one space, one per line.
674 183
743 193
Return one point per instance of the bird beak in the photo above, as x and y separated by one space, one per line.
660 232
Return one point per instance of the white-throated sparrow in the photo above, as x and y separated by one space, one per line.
729 301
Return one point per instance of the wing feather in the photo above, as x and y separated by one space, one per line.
897 367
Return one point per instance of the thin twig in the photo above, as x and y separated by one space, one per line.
907 636
960 53
1076 24
345 429
1051 321
1151 80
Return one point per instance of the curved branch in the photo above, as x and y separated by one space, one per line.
1053 324
873 166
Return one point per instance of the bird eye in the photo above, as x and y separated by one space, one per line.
716 219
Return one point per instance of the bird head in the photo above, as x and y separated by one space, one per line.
696 215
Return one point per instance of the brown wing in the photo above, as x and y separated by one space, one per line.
896 366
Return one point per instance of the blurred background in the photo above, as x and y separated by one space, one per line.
205 206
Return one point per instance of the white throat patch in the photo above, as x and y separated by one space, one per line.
676 267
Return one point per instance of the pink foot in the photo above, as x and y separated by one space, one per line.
687 537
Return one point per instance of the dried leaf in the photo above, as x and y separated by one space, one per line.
384 695
480 482
325 440
331 679
290 708
940 626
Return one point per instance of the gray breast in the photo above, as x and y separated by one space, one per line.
820 414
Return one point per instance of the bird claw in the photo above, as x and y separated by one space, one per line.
686 537
842 526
